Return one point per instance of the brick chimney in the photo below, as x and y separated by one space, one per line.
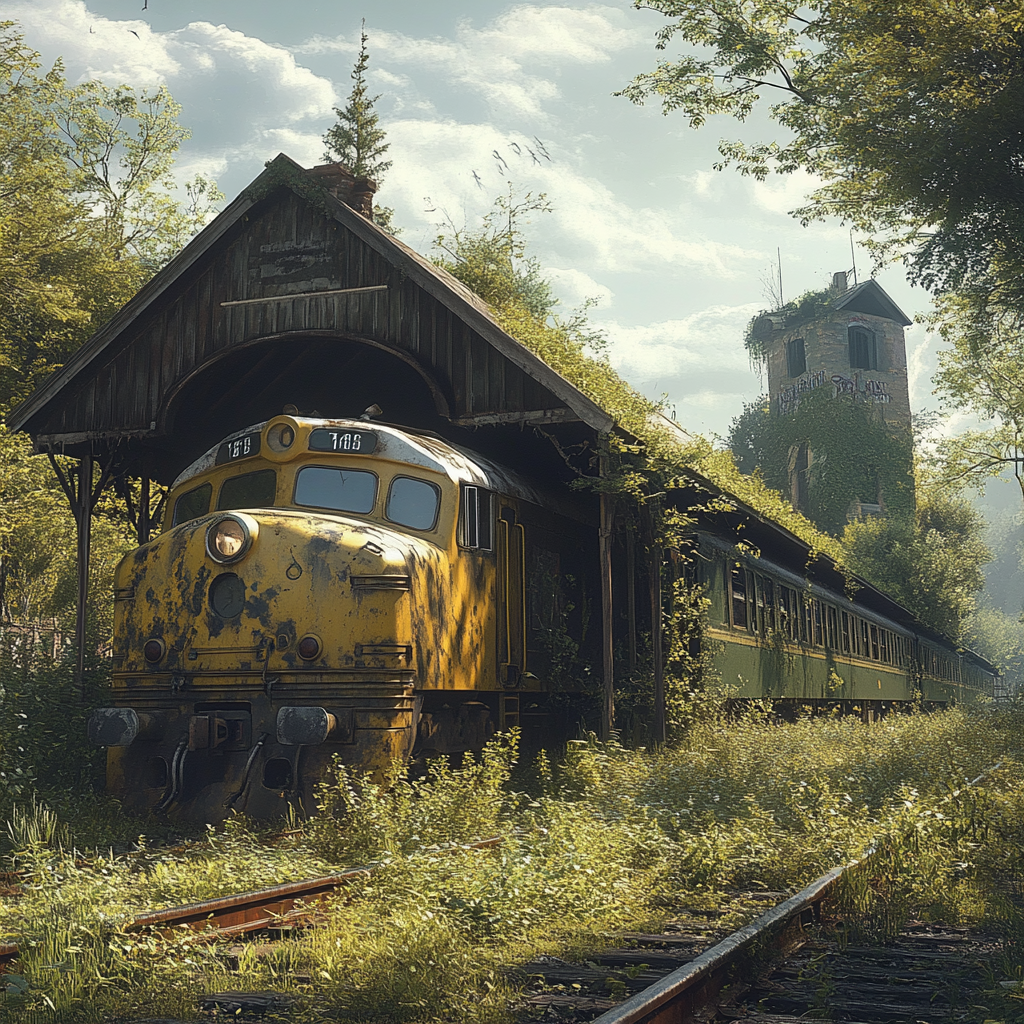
344 185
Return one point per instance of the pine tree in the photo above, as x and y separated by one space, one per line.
357 140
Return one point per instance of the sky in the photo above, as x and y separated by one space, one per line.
675 255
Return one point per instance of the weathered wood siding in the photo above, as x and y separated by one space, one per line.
284 247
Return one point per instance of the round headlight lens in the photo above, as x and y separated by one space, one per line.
153 650
280 437
309 647
227 540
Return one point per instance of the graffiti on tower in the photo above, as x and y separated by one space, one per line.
875 391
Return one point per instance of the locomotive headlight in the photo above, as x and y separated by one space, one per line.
154 649
228 539
310 647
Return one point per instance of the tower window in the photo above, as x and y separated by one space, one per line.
863 350
796 357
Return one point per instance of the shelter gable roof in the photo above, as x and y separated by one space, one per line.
467 307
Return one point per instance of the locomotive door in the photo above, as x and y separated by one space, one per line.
511 597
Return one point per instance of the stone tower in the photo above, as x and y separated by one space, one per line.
848 340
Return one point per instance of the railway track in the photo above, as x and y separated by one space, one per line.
783 968
786 966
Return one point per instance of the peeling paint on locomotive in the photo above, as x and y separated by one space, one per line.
391 631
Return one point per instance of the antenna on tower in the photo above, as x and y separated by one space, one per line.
782 301
853 258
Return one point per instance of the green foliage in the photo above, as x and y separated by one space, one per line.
999 638
909 112
931 563
356 140
692 684
982 370
612 840
807 308
448 805
37 555
910 115
87 211
493 259
855 455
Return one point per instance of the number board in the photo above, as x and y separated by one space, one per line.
351 442
240 448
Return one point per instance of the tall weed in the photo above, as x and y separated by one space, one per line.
607 839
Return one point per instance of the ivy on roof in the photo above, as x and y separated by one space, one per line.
811 306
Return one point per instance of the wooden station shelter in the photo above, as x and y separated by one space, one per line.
294 296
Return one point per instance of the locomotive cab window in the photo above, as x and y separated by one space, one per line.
192 504
413 503
250 490
475 528
344 490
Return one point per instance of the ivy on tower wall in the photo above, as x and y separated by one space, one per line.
854 456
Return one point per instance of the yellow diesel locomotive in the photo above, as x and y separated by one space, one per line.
326 587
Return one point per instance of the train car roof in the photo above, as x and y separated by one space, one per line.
731 517
416 448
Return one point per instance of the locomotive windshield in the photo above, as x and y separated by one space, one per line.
250 490
192 504
346 490
413 503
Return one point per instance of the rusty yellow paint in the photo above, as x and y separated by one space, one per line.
446 618
306 571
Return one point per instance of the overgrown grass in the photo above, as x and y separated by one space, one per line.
608 839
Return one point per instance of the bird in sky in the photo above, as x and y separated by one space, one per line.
476 178
534 155
542 148
515 146
136 34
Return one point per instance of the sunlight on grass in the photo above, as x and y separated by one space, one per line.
604 839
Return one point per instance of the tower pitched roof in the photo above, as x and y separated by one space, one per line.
871 298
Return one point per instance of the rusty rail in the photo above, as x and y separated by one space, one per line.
275 907
676 997
228 916
262 909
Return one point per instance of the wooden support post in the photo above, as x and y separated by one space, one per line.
631 594
144 526
658 727
607 643
83 522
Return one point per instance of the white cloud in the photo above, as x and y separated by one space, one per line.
708 341
237 89
493 61
702 182
782 193
574 287
590 224
921 364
